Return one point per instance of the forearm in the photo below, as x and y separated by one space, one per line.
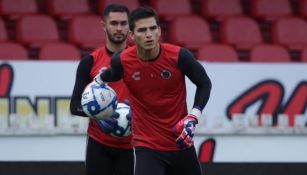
76 108
203 89
110 75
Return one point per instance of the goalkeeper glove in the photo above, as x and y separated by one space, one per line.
110 124
186 128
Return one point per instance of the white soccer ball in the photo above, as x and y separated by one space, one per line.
98 101
123 128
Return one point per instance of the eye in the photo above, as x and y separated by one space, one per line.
123 23
142 30
153 28
114 23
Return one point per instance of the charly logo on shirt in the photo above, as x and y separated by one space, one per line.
136 76
166 74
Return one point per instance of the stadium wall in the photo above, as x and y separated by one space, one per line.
39 136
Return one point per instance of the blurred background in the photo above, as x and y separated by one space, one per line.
255 52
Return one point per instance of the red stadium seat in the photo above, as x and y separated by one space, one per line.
217 53
59 51
3 32
269 53
86 31
220 9
131 4
290 32
303 8
180 31
304 55
36 30
241 31
66 9
270 9
12 51
17 8
171 8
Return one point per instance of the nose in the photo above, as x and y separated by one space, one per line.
119 27
148 34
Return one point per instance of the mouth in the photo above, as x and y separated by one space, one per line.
119 35
149 42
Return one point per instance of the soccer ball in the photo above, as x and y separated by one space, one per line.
98 101
123 128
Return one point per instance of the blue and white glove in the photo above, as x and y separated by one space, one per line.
186 128
110 124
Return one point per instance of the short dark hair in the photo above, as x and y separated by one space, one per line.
141 13
114 8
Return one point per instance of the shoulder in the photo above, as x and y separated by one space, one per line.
170 47
128 52
98 53
170 50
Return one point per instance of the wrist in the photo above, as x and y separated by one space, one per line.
196 113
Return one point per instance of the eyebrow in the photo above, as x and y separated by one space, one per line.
150 27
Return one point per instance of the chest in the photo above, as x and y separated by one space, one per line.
162 76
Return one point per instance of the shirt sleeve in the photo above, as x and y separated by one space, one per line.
115 71
198 75
82 79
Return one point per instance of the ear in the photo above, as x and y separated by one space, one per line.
103 24
159 31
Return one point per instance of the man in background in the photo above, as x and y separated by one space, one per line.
105 154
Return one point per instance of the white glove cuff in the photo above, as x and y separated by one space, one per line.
196 112
98 79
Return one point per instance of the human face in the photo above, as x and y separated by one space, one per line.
146 34
116 27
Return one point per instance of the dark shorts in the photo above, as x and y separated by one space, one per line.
104 160
153 162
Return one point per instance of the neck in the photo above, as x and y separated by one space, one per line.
148 55
114 47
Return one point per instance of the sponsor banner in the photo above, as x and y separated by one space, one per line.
36 94
255 90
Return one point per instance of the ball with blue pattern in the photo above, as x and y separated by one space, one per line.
98 101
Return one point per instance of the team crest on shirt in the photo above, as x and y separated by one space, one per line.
166 74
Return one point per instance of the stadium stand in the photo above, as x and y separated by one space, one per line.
217 53
87 37
302 4
180 31
12 51
172 8
234 31
290 32
215 23
36 30
270 10
269 53
59 51
3 32
131 4
212 9
16 8
66 9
